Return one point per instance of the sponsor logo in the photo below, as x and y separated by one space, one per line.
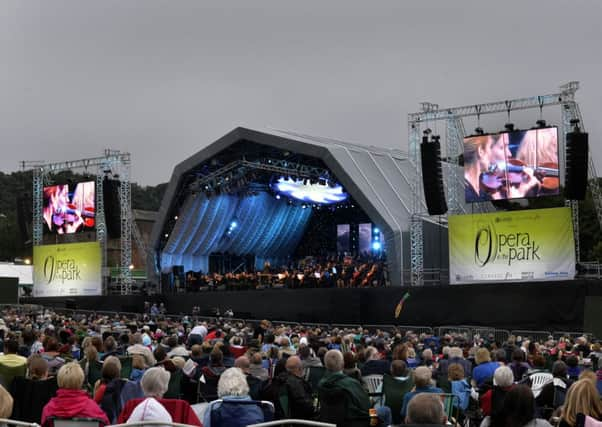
56 269
505 247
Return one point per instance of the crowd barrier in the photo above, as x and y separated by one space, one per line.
470 332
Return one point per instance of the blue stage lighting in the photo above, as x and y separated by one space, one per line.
233 224
376 246
376 230
310 192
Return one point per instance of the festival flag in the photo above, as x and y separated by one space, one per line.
400 305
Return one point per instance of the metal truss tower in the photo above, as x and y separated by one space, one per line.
431 114
113 162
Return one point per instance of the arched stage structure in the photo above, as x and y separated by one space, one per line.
230 182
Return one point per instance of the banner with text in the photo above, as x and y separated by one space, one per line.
72 269
536 244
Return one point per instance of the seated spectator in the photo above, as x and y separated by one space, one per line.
6 403
454 355
154 385
519 366
53 356
11 358
400 372
422 380
300 399
426 408
350 367
518 409
236 347
485 367
232 387
110 347
308 358
357 400
138 348
374 364
256 368
216 365
553 394
108 389
132 388
492 400
71 401
582 397
33 393
573 370
459 386
174 348
426 358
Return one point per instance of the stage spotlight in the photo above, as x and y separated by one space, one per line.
376 246
175 217
479 131
233 224
304 206
541 123
509 127
166 235
278 196
376 230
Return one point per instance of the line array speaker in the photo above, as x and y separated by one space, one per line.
432 176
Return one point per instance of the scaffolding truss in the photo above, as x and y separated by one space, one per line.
428 118
113 162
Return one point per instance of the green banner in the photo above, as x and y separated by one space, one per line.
72 269
525 245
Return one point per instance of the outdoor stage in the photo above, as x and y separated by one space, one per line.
558 306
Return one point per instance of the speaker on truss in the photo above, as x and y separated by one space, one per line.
577 151
110 194
432 176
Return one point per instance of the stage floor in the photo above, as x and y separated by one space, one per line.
559 306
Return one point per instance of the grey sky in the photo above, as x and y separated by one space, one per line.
162 79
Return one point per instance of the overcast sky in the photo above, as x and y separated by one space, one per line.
162 79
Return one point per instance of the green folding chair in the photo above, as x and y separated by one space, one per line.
394 390
451 405
126 366
174 388
8 373
313 376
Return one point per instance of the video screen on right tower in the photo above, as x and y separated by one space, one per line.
511 165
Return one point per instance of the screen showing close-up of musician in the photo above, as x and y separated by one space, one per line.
511 165
66 211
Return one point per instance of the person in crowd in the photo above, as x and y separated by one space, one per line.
518 410
308 358
71 401
236 347
256 368
232 387
573 370
132 389
485 367
110 347
53 356
350 367
299 391
519 366
583 398
175 349
454 355
422 380
138 348
374 364
357 399
426 408
459 386
107 390
400 372
216 365
492 401
426 358
553 394
197 334
154 384
10 358
6 403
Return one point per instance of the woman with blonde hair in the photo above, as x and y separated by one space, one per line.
70 400
6 403
485 367
582 397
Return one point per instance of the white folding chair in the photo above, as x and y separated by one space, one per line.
538 380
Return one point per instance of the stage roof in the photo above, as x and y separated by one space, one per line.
378 179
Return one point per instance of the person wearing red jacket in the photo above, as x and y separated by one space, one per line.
71 401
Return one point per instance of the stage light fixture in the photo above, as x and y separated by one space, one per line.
175 217
541 123
376 230
509 127
376 246
233 224
278 196
166 235
479 131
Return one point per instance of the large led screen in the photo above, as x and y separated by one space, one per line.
304 190
511 165
68 210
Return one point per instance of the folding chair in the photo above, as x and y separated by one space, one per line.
75 422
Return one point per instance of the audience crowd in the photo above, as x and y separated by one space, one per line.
214 372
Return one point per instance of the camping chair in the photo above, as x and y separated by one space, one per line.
451 405
174 389
8 373
126 366
75 422
394 390
373 382
333 409
9 423
538 380
313 376
30 397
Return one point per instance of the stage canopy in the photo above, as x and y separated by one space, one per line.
219 199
